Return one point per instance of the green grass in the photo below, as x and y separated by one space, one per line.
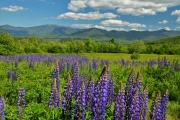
118 56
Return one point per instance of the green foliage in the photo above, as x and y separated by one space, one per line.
19 45
138 47
89 45
135 56
112 40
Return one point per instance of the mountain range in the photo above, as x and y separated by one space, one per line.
52 31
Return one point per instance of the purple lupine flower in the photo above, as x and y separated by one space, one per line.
164 102
129 91
139 80
111 91
104 90
75 79
129 82
96 106
31 63
67 99
156 110
119 108
134 110
90 66
144 104
80 103
89 93
101 92
68 65
2 107
57 72
94 64
21 103
54 97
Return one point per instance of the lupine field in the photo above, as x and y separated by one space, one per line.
74 87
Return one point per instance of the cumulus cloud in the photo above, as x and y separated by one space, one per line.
97 26
82 25
134 7
121 23
13 8
109 28
176 12
163 22
178 27
75 5
86 16
167 28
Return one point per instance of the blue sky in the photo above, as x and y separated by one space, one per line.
105 14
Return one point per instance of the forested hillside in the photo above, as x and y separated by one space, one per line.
20 45
52 31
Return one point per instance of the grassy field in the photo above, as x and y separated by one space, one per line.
118 56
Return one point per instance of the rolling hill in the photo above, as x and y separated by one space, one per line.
51 31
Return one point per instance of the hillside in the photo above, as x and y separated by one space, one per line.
170 40
51 31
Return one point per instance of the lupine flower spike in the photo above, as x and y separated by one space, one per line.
67 99
80 103
21 104
144 104
54 96
134 107
156 111
111 91
2 108
164 102
119 108
89 93
75 79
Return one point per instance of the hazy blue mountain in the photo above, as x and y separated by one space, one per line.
52 31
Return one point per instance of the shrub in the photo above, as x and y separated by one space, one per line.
135 56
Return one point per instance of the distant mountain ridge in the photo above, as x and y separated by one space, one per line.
52 31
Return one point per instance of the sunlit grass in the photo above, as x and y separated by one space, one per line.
118 56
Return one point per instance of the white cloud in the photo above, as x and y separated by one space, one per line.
96 26
134 29
167 28
109 28
163 22
134 7
13 8
150 30
82 25
75 5
176 12
121 23
178 27
178 20
86 16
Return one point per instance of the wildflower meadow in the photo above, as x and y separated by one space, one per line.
75 87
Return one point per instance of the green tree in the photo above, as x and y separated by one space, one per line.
149 49
89 43
112 40
6 39
136 47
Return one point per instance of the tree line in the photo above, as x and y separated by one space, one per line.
10 45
